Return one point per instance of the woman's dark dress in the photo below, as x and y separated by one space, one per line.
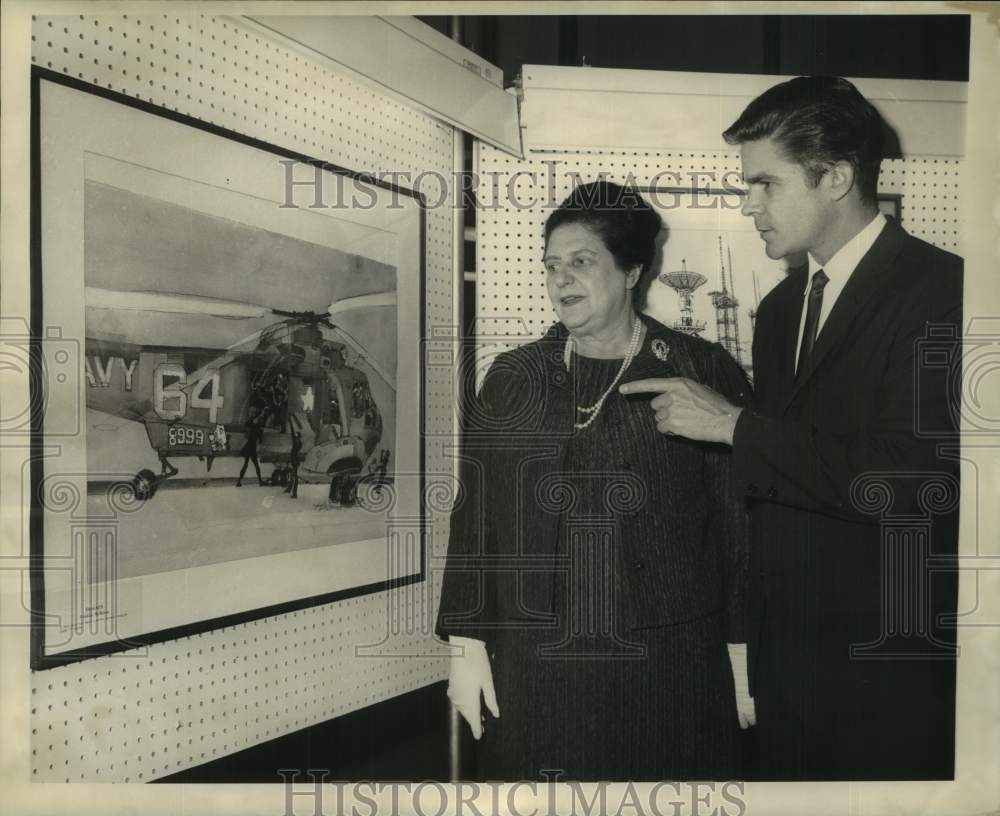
591 696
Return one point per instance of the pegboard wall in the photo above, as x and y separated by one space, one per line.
517 196
139 715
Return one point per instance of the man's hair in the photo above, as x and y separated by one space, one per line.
817 121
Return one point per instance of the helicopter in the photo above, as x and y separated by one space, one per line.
300 372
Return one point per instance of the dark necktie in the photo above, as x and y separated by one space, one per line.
814 305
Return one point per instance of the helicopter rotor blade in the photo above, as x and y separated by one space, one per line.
362 302
172 303
169 302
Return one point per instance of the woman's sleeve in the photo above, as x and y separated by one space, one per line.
468 595
729 525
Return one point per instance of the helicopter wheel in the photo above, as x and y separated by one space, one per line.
336 484
144 485
348 491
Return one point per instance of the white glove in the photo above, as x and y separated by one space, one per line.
744 702
468 678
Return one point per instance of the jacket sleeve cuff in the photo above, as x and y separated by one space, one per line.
736 625
753 436
745 433
471 628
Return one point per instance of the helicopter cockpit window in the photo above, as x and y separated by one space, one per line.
331 417
360 398
363 404
307 399
270 400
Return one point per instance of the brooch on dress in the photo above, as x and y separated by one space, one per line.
660 349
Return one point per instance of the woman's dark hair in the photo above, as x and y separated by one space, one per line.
817 121
622 219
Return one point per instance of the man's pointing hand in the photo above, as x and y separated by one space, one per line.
686 408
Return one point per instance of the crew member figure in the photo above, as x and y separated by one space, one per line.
249 450
293 461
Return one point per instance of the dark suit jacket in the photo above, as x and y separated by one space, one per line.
854 520
680 520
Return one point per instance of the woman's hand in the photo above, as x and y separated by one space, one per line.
469 677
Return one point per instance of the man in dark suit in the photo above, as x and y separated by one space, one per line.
843 455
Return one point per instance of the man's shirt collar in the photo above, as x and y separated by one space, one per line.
846 259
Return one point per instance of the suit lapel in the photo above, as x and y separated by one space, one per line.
871 275
788 332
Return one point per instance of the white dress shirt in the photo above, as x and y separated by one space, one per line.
838 270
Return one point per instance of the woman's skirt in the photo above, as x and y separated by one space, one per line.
650 704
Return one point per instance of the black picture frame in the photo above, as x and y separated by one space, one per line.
47 400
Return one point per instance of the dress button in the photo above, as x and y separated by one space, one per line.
637 564
771 492
751 488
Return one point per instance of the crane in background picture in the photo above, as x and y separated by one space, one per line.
727 310
756 303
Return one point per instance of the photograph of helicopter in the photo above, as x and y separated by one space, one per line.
213 346
179 345
302 373
243 377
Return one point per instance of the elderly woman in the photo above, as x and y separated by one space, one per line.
595 566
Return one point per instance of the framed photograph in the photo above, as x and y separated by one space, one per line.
226 338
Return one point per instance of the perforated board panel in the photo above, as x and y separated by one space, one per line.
517 195
930 189
139 715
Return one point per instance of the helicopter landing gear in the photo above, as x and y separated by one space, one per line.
344 488
166 469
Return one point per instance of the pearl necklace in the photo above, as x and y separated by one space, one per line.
595 409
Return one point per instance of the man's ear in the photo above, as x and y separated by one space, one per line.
839 179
